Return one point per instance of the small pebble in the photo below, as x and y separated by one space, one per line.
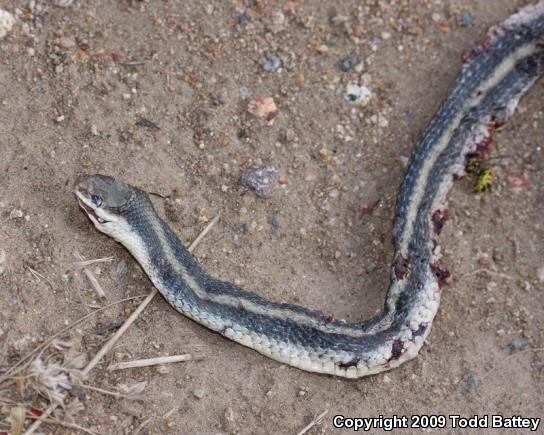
436 17
322 49
2 261
6 23
283 181
16 214
310 176
199 393
245 92
274 223
325 154
66 42
288 135
540 273
382 121
519 345
358 94
358 31
277 21
472 382
259 179
467 19
271 64
117 56
163 369
375 42
491 286
121 268
347 63
263 107
243 19
229 420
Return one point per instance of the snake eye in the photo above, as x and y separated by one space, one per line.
97 200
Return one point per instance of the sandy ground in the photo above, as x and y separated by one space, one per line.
76 83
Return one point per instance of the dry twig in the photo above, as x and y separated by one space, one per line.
38 275
53 420
92 279
115 394
154 361
141 426
315 421
84 263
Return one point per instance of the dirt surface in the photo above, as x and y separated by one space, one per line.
156 93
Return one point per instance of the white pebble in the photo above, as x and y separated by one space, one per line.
382 121
6 23
540 273
2 261
16 214
358 94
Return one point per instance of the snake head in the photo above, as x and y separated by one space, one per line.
103 199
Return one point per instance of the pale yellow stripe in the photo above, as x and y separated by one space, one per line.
422 179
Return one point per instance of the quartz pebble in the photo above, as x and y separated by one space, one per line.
540 273
6 23
358 94
199 393
2 261
16 214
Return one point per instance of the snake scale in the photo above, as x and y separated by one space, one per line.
494 76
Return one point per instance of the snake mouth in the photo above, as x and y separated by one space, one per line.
91 213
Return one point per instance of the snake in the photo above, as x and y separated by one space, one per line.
494 75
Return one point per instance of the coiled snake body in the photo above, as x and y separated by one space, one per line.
492 80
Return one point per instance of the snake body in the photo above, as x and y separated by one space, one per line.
493 78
